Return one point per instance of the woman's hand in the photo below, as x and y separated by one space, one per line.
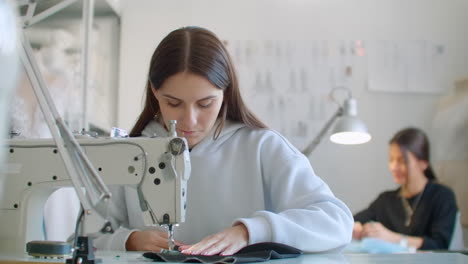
377 230
148 240
357 230
225 243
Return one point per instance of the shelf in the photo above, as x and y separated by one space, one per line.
56 30
74 10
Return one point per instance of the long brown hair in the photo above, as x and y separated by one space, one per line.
415 141
199 51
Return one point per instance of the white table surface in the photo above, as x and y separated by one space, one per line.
351 258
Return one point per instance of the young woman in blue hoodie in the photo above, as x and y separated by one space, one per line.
248 183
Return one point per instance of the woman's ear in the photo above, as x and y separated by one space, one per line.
417 163
423 164
155 92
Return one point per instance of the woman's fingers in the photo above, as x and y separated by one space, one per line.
202 246
226 242
216 248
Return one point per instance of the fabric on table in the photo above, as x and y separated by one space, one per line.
253 253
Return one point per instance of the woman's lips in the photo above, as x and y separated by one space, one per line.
187 133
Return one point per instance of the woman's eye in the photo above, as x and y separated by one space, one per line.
173 104
205 104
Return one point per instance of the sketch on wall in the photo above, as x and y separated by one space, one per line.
287 83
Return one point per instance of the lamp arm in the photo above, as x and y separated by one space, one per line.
314 143
81 171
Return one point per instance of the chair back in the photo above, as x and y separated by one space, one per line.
457 243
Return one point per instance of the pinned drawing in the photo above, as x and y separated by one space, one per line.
287 82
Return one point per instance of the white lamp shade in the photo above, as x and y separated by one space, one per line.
349 130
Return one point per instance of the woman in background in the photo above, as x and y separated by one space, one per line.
248 183
421 212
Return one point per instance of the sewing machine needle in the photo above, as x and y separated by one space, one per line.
171 238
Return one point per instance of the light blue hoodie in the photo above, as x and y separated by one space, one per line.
251 176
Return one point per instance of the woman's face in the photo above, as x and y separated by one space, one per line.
191 100
405 170
397 164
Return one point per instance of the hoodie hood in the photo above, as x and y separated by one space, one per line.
155 129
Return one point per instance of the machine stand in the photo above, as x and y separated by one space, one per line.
84 252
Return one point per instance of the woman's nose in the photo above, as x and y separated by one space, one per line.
189 118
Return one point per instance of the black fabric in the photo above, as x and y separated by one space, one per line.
433 218
253 253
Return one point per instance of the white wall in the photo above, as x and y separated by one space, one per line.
356 174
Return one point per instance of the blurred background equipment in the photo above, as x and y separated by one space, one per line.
9 63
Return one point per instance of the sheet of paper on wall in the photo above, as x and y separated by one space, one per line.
427 67
385 68
417 66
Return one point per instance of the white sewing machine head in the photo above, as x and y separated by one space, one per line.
158 167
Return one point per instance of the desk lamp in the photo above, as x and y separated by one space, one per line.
348 128
82 172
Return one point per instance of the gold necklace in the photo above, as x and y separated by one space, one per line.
409 210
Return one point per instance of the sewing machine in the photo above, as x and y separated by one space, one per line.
159 168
